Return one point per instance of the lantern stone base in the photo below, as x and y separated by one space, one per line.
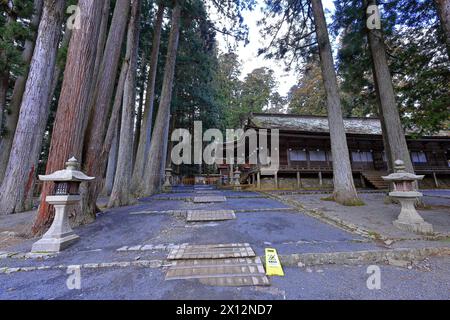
60 235
409 219
423 228
55 244
167 186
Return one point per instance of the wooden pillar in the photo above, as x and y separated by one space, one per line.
320 178
436 182
363 182
231 174
258 180
299 181
276 180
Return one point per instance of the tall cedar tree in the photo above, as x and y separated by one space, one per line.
11 117
98 118
121 193
67 137
16 188
152 174
147 123
394 134
344 188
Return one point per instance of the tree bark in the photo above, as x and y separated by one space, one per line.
387 150
443 9
121 195
111 145
344 188
97 124
145 135
100 53
140 109
395 136
18 181
16 98
67 136
4 83
4 74
112 162
60 68
152 174
101 39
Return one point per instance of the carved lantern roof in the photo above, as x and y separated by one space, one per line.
401 174
71 173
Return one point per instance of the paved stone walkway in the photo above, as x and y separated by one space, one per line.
123 255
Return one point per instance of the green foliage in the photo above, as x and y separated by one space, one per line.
257 93
417 59
308 97
194 92
228 86
14 30
289 31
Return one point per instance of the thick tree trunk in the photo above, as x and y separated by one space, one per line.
59 68
112 162
110 148
152 174
16 98
164 151
113 133
101 39
443 9
395 136
4 81
97 124
100 53
67 137
387 150
18 181
167 148
4 74
121 195
344 188
145 135
138 122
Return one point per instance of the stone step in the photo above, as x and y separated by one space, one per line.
220 272
209 199
219 251
376 180
209 215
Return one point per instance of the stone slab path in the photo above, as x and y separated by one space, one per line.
233 264
211 251
220 272
209 199
126 249
210 215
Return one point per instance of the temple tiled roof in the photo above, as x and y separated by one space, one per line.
369 126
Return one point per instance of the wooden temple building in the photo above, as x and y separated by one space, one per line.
306 161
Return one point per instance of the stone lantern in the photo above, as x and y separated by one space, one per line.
406 193
167 180
65 193
237 179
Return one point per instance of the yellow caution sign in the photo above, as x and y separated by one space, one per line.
273 265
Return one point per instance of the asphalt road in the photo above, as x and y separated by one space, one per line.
287 231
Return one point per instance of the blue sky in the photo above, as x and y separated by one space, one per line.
248 54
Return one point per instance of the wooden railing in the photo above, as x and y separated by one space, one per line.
355 167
